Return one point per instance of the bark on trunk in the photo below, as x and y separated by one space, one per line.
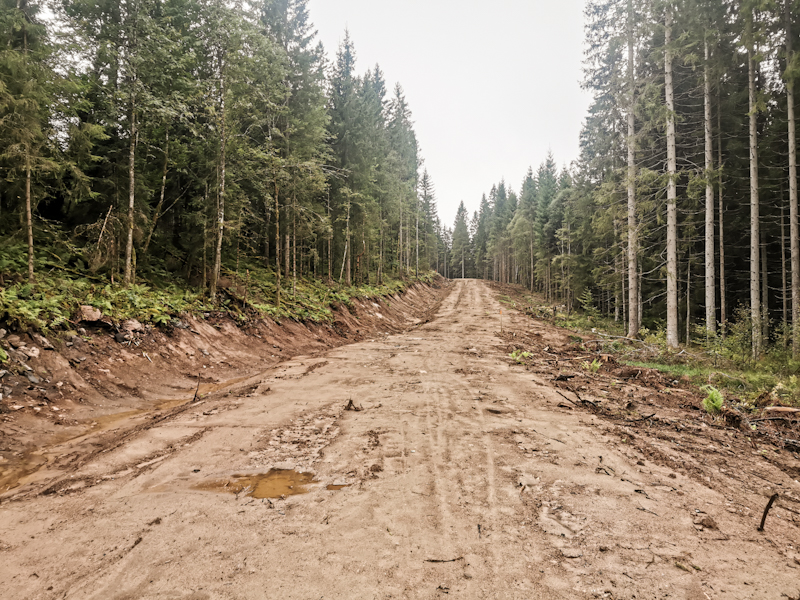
672 191
633 228
29 215
278 247
723 317
794 229
711 288
131 195
221 203
160 204
755 237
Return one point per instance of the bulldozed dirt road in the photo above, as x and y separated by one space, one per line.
462 476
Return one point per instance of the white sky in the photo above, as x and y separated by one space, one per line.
492 85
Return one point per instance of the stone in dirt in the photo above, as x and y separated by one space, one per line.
89 313
706 521
42 341
121 337
571 553
15 341
3 333
132 326
32 352
33 378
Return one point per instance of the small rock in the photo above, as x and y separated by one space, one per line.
17 407
3 333
603 548
571 552
89 313
376 468
3 373
121 337
15 341
131 326
706 521
42 341
33 378
32 352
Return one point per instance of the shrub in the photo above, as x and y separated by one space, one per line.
712 403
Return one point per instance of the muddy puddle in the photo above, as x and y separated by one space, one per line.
32 466
273 484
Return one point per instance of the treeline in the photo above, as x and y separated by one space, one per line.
174 137
682 210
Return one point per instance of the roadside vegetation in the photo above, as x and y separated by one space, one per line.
63 284
722 367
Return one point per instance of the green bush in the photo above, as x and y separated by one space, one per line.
713 402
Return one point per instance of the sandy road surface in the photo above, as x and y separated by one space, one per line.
464 480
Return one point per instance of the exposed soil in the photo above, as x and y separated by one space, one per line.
65 399
420 464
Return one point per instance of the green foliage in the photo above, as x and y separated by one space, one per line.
714 400
519 356
587 303
3 356
593 366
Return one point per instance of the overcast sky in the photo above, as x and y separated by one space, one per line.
493 86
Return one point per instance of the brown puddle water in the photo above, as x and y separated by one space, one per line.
273 484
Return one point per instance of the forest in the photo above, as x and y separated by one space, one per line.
199 143
189 142
681 214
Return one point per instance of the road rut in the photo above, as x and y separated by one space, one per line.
460 476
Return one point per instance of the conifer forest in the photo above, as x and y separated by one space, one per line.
254 344
152 141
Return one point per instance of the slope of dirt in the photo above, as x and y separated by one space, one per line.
64 400
456 473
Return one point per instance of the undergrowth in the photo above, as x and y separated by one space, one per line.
63 282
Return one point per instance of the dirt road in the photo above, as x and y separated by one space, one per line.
460 477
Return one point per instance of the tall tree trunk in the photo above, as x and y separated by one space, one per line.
131 195
416 270
294 248
29 213
222 167
784 295
633 227
160 204
755 236
711 279
794 229
764 289
723 317
672 190
286 244
689 300
348 280
278 245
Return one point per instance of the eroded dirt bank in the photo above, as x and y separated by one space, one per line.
64 400
463 475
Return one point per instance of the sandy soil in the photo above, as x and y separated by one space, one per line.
463 474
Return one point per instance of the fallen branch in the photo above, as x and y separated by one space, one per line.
642 419
766 511
438 560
